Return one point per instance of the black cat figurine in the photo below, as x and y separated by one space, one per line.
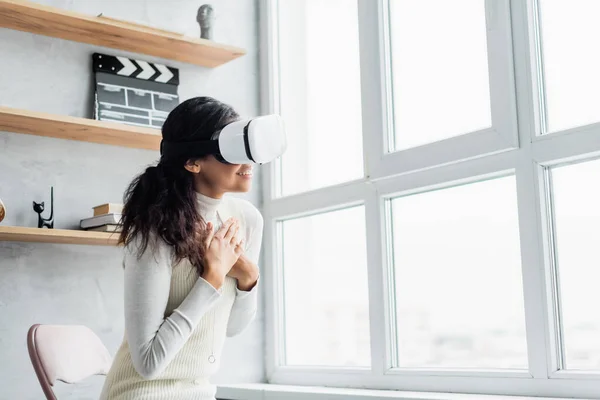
39 209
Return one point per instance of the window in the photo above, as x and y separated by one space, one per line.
319 93
462 304
325 289
439 67
576 209
417 237
569 30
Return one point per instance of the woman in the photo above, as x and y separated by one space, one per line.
190 264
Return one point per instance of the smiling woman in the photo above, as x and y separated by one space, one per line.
190 261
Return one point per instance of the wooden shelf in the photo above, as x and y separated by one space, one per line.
108 32
64 236
83 129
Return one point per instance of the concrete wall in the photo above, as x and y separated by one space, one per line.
75 284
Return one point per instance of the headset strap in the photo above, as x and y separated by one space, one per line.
190 149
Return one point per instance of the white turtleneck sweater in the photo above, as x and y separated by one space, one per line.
175 321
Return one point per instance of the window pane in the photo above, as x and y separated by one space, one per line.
439 70
576 197
569 33
459 296
320 93
325 289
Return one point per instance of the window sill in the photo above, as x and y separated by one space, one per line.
264 391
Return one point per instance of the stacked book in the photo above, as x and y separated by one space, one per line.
106 218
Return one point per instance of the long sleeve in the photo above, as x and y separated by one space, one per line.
153 339
245 305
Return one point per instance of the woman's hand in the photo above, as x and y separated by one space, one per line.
246 273
222 251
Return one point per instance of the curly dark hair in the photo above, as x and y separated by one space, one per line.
160 203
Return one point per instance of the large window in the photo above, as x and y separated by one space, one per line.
319 93
326 324
439 67
576 209
568 30
432 226
462 304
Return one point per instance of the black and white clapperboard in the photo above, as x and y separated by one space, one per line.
134 92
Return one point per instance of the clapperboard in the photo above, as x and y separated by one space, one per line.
134 92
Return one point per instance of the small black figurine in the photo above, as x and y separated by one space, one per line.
39 208
205 19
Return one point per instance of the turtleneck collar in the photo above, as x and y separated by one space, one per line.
208 205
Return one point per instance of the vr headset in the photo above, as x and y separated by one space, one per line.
257 140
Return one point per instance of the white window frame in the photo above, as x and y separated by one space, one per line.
507 148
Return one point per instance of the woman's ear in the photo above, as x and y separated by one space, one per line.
193 166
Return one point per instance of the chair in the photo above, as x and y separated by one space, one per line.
68 353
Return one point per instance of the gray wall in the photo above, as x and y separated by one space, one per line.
75 284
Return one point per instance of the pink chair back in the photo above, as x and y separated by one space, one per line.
68 353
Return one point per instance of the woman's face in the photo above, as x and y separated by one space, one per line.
219 178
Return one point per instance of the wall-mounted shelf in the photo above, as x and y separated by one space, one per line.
64 236
83 129
101 31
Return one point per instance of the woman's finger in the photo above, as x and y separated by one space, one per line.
231 232
239 249
224 228
209 234
234 239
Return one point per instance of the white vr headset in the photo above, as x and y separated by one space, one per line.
257 140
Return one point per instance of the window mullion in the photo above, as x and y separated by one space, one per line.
372 42
532 202
269 104
501 70
534 260
379 290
